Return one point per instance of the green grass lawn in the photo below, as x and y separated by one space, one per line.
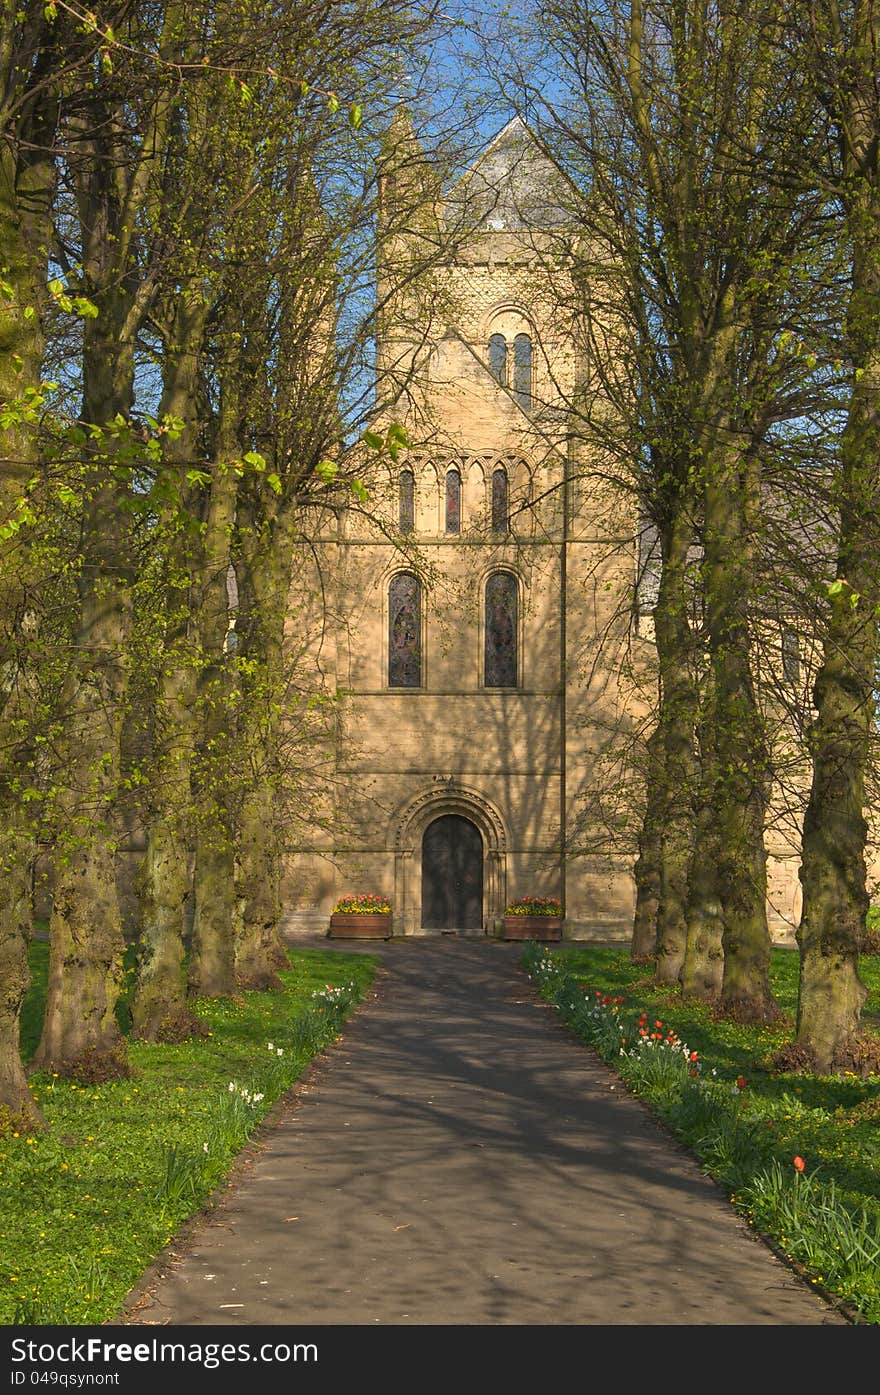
87 1205
825 1218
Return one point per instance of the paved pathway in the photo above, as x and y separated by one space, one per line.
457 1158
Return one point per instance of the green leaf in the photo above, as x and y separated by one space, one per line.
274 483
255 460
835 588
355 116
198 477
370 439
359 490
333 102
398 433
50 12
29 312
326 470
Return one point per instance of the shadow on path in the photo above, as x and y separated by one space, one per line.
456 1157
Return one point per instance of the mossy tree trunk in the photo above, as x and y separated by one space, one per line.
86 939
647 868
742 773
112 184
833 873
702 973
267 535
216 773
159 999
29 116
677 717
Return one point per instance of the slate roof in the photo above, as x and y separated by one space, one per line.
512 185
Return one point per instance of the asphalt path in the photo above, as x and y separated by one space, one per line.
456 1157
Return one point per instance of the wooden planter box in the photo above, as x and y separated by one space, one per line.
345 926
533 927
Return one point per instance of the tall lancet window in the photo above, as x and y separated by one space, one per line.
522 371
405 631
501 624
407 501
498 358
453 501
500 501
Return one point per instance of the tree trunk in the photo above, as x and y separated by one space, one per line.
87 943
158 1008
647 868
80 1031
159 1001
258 950
742 762
216 777
833 873
267 536
28 174
16 864
678 709
702 975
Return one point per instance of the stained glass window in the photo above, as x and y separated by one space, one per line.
501 631
453 501
522 371
407 501
405 631
500 497
498 358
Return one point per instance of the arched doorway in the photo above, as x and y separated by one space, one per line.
452 874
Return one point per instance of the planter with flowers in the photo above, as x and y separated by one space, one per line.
534 918
361 918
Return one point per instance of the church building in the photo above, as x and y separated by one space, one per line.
488 659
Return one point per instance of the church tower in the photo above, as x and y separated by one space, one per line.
481 662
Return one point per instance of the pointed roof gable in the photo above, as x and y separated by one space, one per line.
512 185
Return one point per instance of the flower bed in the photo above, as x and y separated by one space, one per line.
753 1145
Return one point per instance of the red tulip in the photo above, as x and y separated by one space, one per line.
799 1163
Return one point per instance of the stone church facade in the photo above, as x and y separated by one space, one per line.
487 663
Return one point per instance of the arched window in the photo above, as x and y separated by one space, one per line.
501 623
522 371
453 501
791 656
500 501
407 501
498 358
405 631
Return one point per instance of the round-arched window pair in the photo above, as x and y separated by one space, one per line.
499 366
500 631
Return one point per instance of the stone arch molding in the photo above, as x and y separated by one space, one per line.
446 795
